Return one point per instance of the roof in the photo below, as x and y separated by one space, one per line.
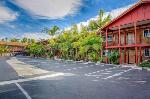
13 44
126 12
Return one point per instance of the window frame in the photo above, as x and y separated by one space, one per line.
106 52
145 52
104 37
130 38
144 32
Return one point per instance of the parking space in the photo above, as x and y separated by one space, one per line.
78 80
11 91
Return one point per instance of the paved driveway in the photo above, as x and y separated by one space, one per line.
71 80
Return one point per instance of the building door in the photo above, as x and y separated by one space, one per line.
131 56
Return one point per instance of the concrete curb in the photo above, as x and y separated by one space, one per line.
98 63
146 68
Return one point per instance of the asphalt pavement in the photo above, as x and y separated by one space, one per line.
73 80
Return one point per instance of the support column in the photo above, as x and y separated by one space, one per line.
125 47
140 54
101 51
120 50
136 48
125 59
107 44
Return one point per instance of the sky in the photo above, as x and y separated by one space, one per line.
26 18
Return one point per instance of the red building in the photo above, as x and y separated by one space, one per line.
130 34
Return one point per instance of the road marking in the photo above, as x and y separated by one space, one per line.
31 79
74 68
101 70
77 68
85 63
93 75
23 91
118 74
95 80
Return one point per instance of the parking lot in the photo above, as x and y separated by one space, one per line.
58 79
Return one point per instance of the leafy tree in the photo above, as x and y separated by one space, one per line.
74 44
100 22
35 49
24 40
45 30
103 20
53 30
3 49
93 25
14 40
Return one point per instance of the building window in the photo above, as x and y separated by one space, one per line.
110 38
106 52
147 52
146 33
131 38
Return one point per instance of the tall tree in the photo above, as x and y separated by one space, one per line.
45 30
100 22
53 30
93 25
103 19
14 40
24 40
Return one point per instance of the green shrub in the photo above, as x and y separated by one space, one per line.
114 57
37 50
50 54
145 63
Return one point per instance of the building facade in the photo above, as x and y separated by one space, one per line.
129 33
13 47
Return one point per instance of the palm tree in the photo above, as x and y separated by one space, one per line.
100 22
53 30
14 40
45 30
93 25
24 40
72 44
103 20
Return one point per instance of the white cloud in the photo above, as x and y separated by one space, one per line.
36 36
49 9
7 14
114 13
10 25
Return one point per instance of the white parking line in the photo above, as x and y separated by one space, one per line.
93 75
100 70
78 68
118 74
31 79
74 68
23 91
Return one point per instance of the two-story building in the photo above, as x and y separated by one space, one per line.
130 34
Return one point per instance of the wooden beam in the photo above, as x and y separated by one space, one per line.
107 45
136 49
140 54
119 43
